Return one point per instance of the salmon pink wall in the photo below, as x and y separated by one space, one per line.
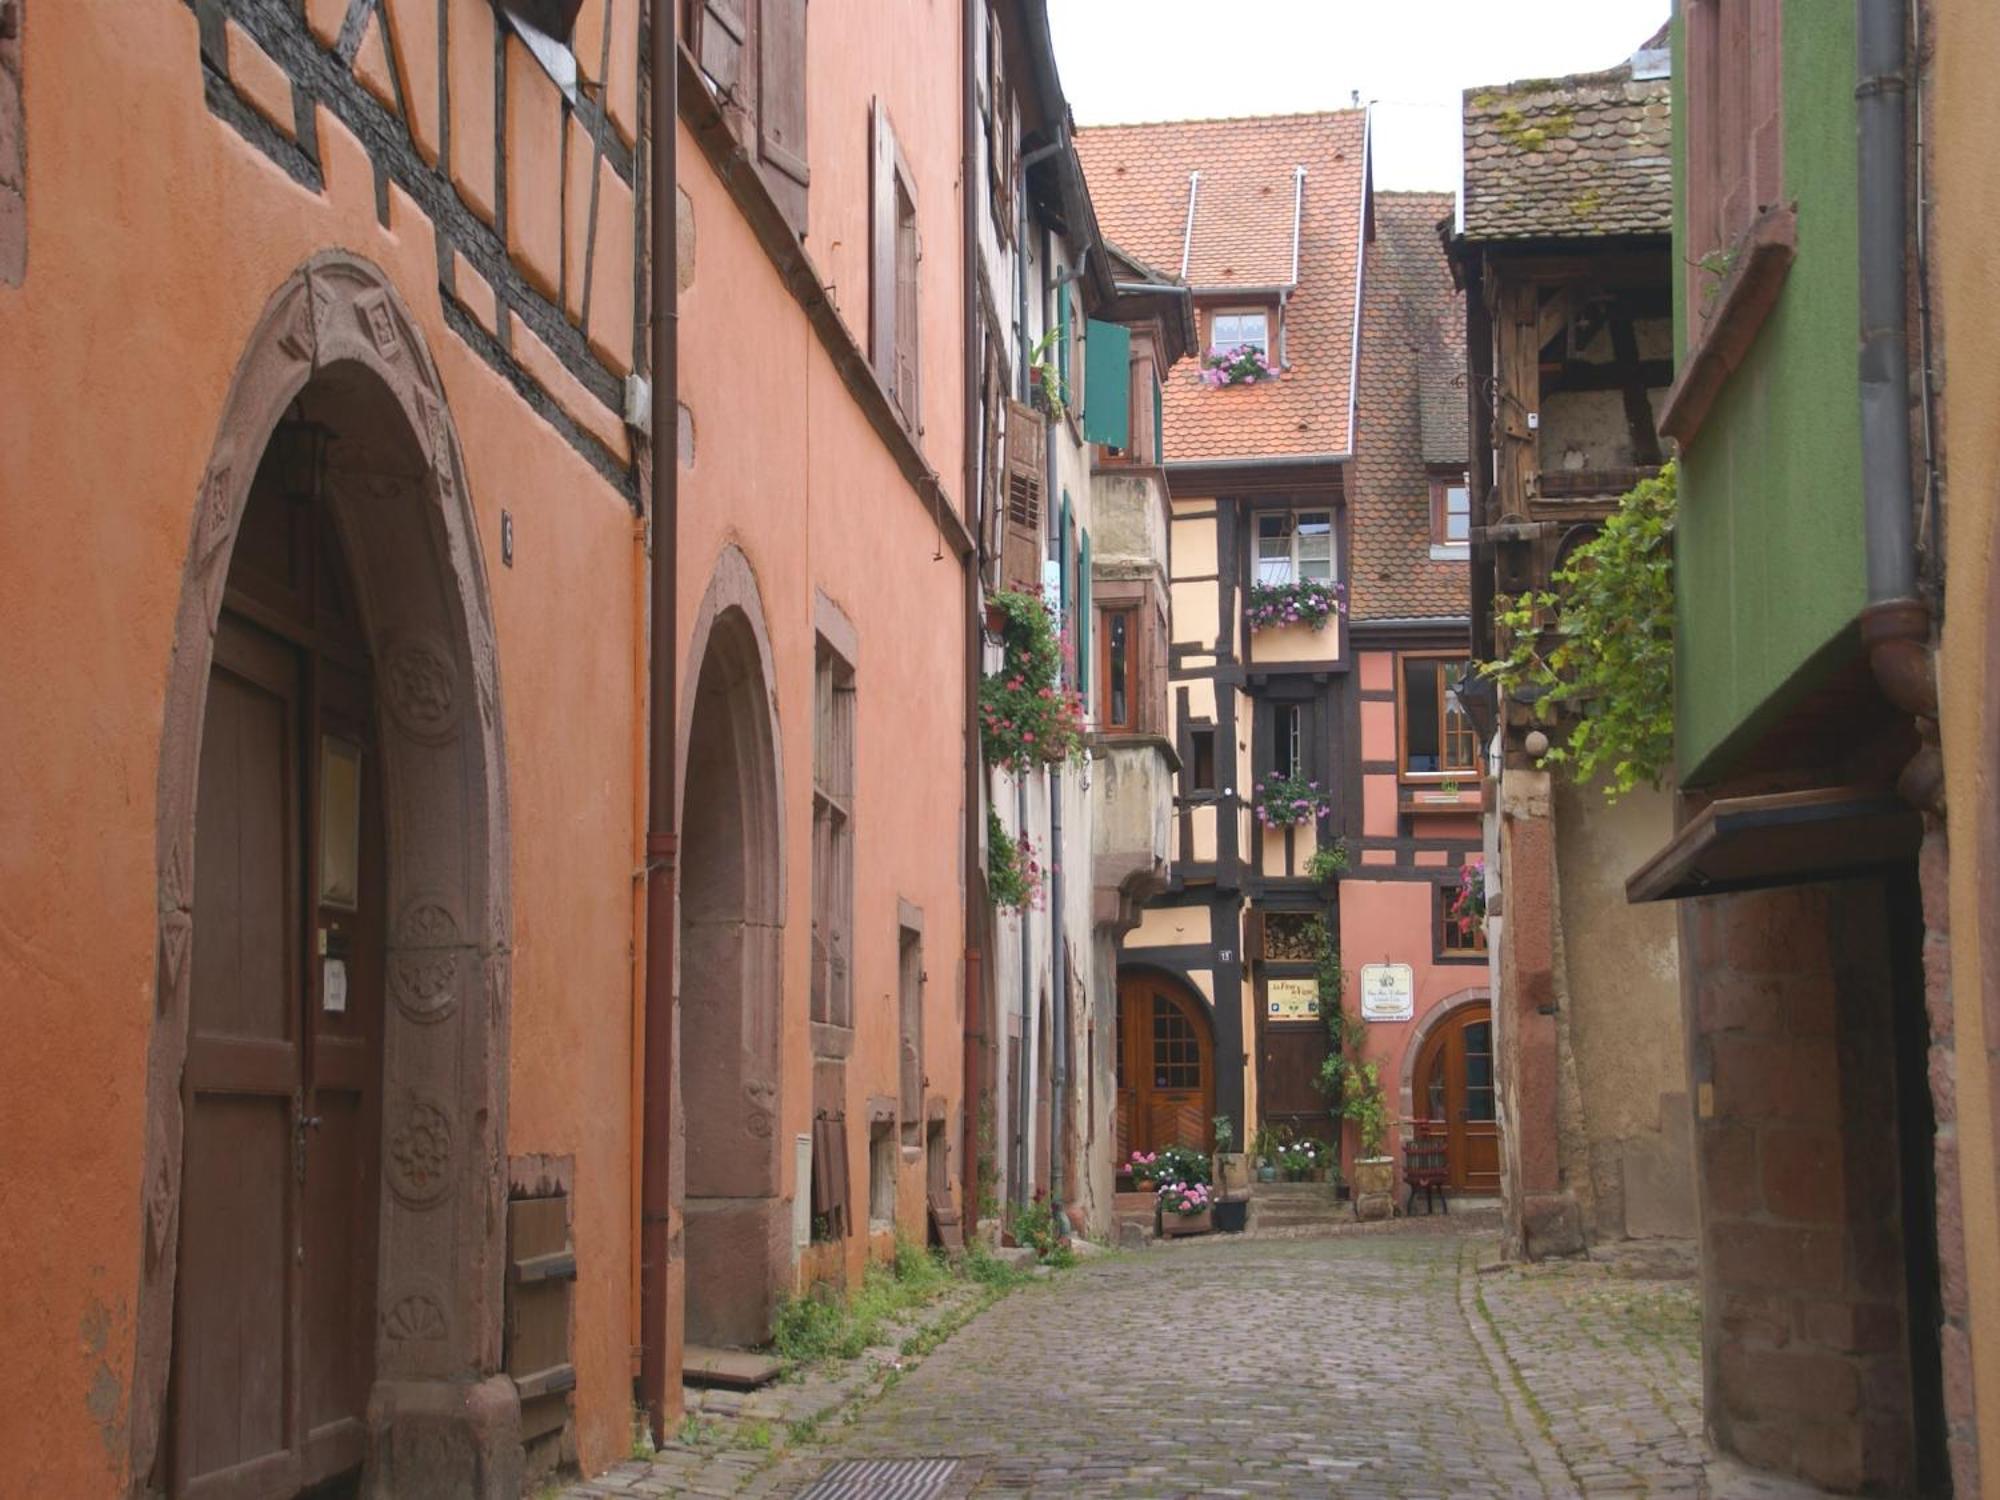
1389 921
155 234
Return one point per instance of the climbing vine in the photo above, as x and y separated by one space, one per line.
1597 651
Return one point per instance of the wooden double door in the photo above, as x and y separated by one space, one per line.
1166 1066
274 1313
1454 1096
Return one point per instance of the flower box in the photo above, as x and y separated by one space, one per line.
1173 1226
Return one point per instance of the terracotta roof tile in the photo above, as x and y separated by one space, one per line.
1242 236
1412 334
1569 158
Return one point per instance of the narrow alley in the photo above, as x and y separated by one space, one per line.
1385 1360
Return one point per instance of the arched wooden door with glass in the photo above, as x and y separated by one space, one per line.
1453 1096
1166 1066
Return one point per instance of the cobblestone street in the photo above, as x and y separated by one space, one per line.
1382 1362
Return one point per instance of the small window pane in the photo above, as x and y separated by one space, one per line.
1237 330
1274 549
1423 749
1117 647
1457 514
1204 760
1314 545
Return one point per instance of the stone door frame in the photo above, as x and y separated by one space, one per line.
441 1416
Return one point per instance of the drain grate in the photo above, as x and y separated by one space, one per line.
884 1479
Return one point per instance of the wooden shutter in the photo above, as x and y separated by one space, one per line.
1021 566
1083 618
781 105
1062 346
908 253
994 454
1159 423
999 130
882 247
1107 384
722 36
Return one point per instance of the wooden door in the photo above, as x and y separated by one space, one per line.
1455 1090
1166 1067
274 1307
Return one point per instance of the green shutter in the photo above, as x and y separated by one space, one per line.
1083 621
1064 591
1107 384
1062 344
1159 428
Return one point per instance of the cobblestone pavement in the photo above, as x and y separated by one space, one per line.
1364 1364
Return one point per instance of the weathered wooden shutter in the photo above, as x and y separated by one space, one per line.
1021 565
908 253
781 105
999 129
1107 384
722 36
882 247
541 1270
994 454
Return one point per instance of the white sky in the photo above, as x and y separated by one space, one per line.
1125 60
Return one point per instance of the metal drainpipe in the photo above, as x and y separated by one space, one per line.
656 1380
1055 286
1024 1072
974 1031
1895 625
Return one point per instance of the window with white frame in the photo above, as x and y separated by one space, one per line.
1295 546
1241 330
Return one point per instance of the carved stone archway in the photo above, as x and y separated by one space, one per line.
737 1225
1413 1044
442 1418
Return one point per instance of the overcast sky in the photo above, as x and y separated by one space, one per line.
1186 59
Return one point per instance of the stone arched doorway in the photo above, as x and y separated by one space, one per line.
336 347
737 1228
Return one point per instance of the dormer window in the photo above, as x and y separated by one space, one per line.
1294 547
1240 330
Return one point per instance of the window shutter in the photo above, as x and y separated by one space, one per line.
1107 384
1083 620
1065 566
882 248
781 101
1062 344
722 35
1021 566
999 129
908 253
1159 426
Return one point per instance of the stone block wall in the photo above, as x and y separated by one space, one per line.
1790 999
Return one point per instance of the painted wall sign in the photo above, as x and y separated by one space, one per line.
1291 999
1388 992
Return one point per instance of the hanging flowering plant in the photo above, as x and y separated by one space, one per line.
1285 800
1027 717
1309 602
1013 872
1468 902
1184 1198
1144 1166
1244 364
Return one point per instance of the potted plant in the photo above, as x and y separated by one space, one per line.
1264 1146
1363 1103
1144 1170
1232 1168
1185 1208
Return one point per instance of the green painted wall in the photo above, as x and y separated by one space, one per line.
1770 547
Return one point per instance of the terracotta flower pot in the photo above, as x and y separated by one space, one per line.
1142 1184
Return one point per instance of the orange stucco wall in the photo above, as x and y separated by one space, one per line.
1388 921
1968 282
156 233
787 468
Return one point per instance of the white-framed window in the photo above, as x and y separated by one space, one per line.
1239 330
1295 546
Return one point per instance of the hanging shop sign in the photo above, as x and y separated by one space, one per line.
1388 992
1291 999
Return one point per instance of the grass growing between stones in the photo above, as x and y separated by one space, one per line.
825 1326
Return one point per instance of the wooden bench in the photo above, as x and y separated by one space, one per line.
1427 1166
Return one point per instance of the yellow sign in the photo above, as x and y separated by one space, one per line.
1292 999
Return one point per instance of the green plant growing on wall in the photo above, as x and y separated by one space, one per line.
1598 649
1028 716
1363 1104
1043 372
1013 873
1327 861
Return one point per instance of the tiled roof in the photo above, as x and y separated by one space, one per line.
1569 158
1242 236
1412 335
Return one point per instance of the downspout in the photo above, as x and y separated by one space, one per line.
1054 285
1024 1065
1895 625
974 1039
659 1377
